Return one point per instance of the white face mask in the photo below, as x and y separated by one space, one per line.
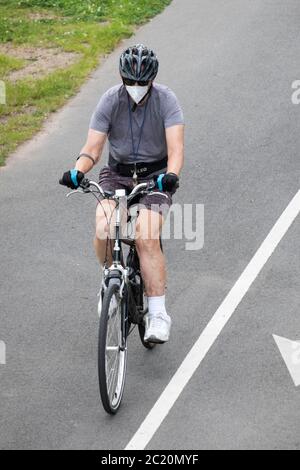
137 93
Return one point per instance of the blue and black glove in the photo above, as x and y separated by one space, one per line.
167 182
72 179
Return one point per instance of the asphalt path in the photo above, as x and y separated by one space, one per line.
232 64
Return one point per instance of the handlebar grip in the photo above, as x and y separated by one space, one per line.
84 183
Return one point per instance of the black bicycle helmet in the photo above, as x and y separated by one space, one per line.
138 63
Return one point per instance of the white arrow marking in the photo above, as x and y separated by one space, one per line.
290 352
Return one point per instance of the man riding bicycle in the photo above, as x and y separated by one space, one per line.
143 123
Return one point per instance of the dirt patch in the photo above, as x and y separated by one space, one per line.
41 16
3 119
24 110
39 61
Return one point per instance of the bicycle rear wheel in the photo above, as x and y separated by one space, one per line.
133 262
112 349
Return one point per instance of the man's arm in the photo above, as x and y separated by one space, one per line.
175 144
93 147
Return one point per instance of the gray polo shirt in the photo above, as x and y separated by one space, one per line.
111 117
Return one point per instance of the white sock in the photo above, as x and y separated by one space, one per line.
157 305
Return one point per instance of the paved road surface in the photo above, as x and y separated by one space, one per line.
232 64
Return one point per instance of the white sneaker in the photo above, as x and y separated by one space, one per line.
157 328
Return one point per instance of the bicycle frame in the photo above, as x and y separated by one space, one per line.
116 270
124 302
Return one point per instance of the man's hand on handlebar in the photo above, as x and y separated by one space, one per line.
164 182
72 179
167 182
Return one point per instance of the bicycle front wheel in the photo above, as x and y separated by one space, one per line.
112 350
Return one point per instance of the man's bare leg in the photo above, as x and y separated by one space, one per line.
153 267
152 260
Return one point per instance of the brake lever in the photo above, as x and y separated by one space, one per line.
79 190
151 184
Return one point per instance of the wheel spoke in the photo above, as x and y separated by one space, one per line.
113 346
111 327
113 370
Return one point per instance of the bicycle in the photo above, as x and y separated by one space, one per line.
124 301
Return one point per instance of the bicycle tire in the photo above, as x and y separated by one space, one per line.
111 393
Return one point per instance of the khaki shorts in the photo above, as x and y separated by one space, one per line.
156 200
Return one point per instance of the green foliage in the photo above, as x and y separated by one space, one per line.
8 64
86 9
88 27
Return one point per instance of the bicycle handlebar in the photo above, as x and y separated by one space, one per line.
85 185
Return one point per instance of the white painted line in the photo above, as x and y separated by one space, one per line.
2 353
198 352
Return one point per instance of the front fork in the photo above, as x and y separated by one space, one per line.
119 275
